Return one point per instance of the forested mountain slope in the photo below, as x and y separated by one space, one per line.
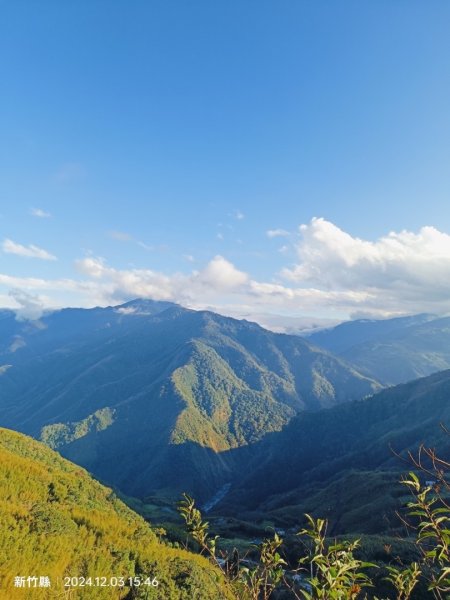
344 459
149 396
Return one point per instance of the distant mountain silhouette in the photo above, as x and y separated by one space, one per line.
392 350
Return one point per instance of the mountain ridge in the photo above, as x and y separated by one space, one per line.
392 350
364 438
125 393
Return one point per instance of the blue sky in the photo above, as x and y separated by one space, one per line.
166 138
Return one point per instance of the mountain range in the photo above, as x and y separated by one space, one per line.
151 397
155 399
391 350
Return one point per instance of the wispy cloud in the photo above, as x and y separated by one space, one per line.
120 236
123 236
145 246
41 214
30 251
272 233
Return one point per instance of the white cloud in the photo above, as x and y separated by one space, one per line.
272 233
282 323
402 271
239 215
219 284
126 310
92 266
220 274
29 307
41 214
30 251
335 275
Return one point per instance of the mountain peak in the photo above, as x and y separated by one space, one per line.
144 306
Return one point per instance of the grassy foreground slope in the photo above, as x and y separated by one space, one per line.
56 521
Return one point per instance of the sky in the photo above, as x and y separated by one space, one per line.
253 157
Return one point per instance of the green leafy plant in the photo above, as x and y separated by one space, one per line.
432 511
335 572
262 579
251 582
197 527
404 580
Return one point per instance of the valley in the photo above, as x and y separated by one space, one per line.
155 400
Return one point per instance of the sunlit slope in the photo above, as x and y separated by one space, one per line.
56 521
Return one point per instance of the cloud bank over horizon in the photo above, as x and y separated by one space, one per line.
334 275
